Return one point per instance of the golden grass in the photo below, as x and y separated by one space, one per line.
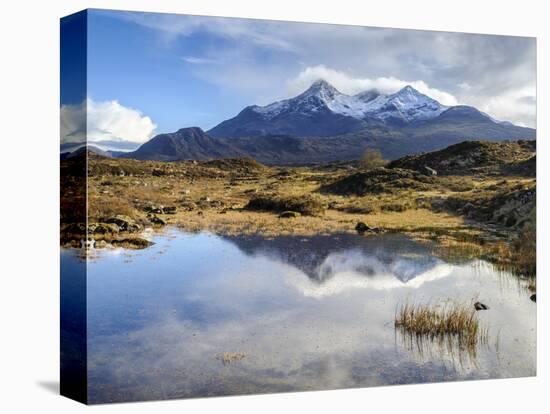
517 256
108 206
450 321
230 357
182 184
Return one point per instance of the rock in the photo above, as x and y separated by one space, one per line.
132 243
480 306
103 228
157 221
124 223
157 172
289 214
154 209
534 297
361 227
169 210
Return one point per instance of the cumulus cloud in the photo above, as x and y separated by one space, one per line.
352 85
106 121
518 106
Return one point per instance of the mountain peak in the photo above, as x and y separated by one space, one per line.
408 90
321 83
321 88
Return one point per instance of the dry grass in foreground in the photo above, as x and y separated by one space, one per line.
452 321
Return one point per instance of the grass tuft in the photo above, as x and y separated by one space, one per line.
451 321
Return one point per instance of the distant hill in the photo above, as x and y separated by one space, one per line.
284 149
470 157
186 143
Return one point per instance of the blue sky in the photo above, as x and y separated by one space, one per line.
151 73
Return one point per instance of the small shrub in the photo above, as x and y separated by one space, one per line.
372 159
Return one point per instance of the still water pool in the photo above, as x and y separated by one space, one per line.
202 315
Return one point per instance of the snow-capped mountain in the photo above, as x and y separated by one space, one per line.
406 105
322 100
323 124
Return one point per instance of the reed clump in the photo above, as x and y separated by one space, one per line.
450 321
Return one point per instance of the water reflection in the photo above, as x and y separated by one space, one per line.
300 314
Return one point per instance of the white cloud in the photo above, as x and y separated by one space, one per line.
104 121
517 106
174 25
351 85
194 60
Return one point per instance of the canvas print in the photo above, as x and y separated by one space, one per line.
255 206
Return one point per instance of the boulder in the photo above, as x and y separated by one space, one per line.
154 209
157 221
169 210
132 243
124 223
362 227
480 306
103 228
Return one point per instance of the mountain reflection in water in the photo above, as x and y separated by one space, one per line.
289 314
332 264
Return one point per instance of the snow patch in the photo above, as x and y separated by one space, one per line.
408 104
